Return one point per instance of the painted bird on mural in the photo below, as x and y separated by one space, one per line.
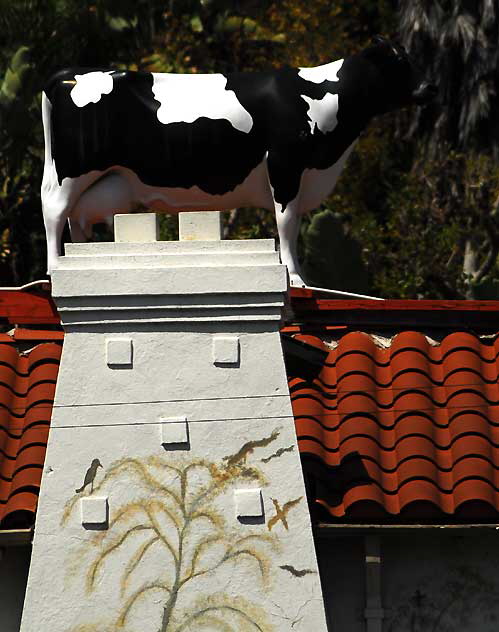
90 476
296 572
281 513
248 448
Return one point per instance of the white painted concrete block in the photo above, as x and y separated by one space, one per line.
119 352
174 430
226 350
136 227
200 225
94 510
248 503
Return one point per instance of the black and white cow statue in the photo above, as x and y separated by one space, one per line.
116 140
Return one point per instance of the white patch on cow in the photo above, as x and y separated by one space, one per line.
318 184
327 72
90 87
322 112
185 98
277 205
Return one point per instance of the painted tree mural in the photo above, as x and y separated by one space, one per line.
176 515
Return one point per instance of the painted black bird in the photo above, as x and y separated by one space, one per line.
295 571
90 476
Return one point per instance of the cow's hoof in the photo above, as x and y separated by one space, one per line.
295 280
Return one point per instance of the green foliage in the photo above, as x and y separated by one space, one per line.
168 227
456 41
439 238
332 257
13 80
457 138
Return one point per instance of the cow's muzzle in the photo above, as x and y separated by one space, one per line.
425 93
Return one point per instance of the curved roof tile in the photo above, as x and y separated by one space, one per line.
415 422
27 387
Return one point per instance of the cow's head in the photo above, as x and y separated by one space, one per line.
399 82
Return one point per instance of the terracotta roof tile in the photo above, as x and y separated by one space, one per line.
399 427
30 305
403 431
27 387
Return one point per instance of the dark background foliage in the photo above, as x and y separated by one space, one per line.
416 211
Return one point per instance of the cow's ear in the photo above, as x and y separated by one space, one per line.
379 49
388 46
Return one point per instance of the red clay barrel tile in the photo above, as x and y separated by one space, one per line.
27 387
416 422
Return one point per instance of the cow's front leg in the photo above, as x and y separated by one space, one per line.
288 227
285 179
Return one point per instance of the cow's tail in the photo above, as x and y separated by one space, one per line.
53 216
47 130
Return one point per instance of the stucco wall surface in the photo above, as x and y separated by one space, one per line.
14 566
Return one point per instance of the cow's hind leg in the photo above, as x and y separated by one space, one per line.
111 194
76 231
56 210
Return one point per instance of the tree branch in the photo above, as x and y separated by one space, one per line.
197 553
163 539
95 566
230 609
135 561
136 595
232 222
150 481
491 258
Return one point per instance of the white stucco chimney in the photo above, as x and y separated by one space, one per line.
172 497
